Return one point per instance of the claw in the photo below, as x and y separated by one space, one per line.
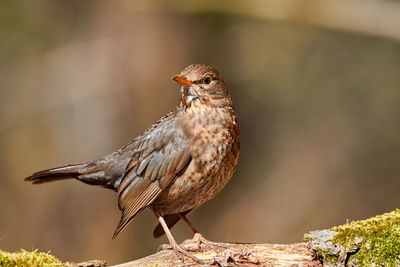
199 238
181 253
164 247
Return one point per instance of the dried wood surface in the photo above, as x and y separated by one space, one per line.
232 254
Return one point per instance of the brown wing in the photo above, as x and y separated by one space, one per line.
160 153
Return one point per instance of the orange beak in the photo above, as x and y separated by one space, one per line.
182 80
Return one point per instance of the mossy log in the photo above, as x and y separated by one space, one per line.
371 242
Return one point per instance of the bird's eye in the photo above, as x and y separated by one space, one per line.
207 80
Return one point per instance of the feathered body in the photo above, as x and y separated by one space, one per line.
179 162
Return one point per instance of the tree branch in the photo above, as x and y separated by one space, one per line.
231 254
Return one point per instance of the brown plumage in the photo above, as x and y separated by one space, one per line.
177 164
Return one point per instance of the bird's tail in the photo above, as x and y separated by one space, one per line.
56 174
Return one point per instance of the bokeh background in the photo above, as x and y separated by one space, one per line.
316 86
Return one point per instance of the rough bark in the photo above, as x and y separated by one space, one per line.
232 254
371 242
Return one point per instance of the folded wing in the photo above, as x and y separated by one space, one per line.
160 154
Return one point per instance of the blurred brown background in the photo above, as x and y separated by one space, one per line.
316 86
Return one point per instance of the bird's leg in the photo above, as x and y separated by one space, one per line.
198 237
180 252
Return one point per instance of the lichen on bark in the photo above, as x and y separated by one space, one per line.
375 241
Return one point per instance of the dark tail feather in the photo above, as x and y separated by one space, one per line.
56 174
170 220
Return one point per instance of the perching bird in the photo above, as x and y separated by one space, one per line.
177 164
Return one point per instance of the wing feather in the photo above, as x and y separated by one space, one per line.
147 196
159 156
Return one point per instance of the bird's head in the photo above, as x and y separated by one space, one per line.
202 84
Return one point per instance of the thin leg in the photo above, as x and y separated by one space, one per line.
180 252
183 217
198 236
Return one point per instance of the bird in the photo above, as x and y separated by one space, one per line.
181 161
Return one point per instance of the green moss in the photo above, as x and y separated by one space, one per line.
327 256
377 240
307 238
25 258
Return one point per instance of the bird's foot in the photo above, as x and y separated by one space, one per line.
200 239
180 252
164 247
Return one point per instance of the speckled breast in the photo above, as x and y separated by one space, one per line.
215 147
